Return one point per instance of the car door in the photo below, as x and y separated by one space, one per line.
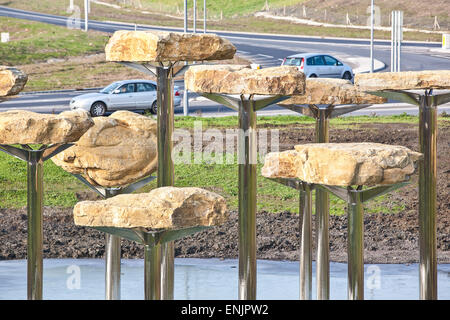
124 98
335 68
145 95
318 66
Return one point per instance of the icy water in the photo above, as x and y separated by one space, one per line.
205 279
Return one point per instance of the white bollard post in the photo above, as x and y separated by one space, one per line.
5 37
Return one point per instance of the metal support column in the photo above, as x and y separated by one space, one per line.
247 157
428 197
322 218
112 267
35 195
113 242
165 174
305 214
247 162
152 272
428 108
322 115
355 246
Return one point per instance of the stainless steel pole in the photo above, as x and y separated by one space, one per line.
371 35
165 172
392 41
204 16
400 38
195 17
395 39
152 272
34 207
112 270
355 246
305 214
86 13
427 198
247 200
112 258
322 219
186 92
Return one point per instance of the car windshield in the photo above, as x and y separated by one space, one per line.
110 88
292 61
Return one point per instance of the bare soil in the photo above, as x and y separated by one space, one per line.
388 238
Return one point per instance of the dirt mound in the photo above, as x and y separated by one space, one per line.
388 238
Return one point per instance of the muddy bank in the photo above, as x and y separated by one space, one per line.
388 238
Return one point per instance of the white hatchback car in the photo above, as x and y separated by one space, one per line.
318 65
122 95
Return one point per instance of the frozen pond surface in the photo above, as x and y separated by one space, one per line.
205 279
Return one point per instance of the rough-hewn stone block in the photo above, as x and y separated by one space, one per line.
161 208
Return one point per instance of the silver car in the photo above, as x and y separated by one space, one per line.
122 95
319 65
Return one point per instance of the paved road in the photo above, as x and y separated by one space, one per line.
267 50
58 102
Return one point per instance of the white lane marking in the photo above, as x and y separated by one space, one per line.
18 101
265 55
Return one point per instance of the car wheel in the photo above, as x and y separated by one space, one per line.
154 108
347 76
313 76
98 109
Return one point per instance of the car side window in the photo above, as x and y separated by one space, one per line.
150 87
330 61
141 87
318 61
127 88
310 61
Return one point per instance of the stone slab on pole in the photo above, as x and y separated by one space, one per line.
155 53
26 128
320 101
336 168
236 87
399 86
12 81
152 219
118 165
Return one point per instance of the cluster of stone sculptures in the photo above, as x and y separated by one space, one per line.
116 155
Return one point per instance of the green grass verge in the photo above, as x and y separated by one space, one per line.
32 42
61 187
287 120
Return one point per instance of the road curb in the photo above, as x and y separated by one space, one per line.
58 91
